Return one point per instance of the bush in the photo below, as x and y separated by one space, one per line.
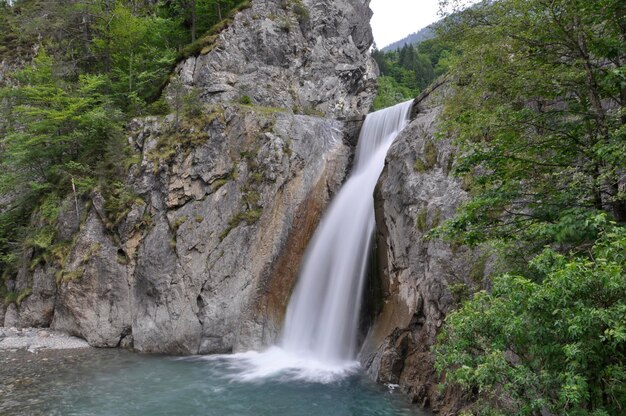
555 345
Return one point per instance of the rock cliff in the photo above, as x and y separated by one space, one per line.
421 278
219 205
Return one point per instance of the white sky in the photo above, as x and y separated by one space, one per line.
395 19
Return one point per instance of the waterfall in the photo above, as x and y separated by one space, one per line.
323 313
319 337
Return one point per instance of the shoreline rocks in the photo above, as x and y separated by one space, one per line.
36 339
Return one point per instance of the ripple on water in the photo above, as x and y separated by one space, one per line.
115 382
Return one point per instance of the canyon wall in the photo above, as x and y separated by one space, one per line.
221 203
421 277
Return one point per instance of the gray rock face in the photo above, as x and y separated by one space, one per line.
203 257
222 215
414 194
93 297
310 56
38 308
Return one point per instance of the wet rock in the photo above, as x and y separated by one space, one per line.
415 194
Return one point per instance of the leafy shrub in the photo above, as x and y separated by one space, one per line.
555 345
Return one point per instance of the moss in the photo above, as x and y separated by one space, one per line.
184 136
419 165
91 252
179 221
245 100
218 183
65 276
249 217
429 159
199 218
23 295
284 25
430 154
420 221
287 148
256 177
302 13
73 275
10 298
450 164
309 111
467 182
251 198
43 237
436 218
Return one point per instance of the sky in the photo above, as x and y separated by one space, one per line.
395 19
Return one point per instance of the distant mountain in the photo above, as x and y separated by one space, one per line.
413 39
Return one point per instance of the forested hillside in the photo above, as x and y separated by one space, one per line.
73 73
538 112
413 39
409 70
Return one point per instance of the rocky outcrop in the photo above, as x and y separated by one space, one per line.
422 278
306 55
199 249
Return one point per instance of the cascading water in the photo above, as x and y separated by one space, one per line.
323 313
319 337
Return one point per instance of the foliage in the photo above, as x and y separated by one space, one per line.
558 345
390 93
95 64
55 124
409 70
52 146
137 53
538 113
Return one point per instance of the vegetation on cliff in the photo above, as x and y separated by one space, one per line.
82 70
538 110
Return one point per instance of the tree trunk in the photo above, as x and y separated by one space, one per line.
193 20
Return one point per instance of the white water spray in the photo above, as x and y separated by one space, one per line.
319 337
323 313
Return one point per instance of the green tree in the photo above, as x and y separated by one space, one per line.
140 51
54 143
405 73
554 347
390 93
538 112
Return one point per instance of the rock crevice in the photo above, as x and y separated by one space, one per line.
415 193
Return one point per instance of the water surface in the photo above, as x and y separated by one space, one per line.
114 382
